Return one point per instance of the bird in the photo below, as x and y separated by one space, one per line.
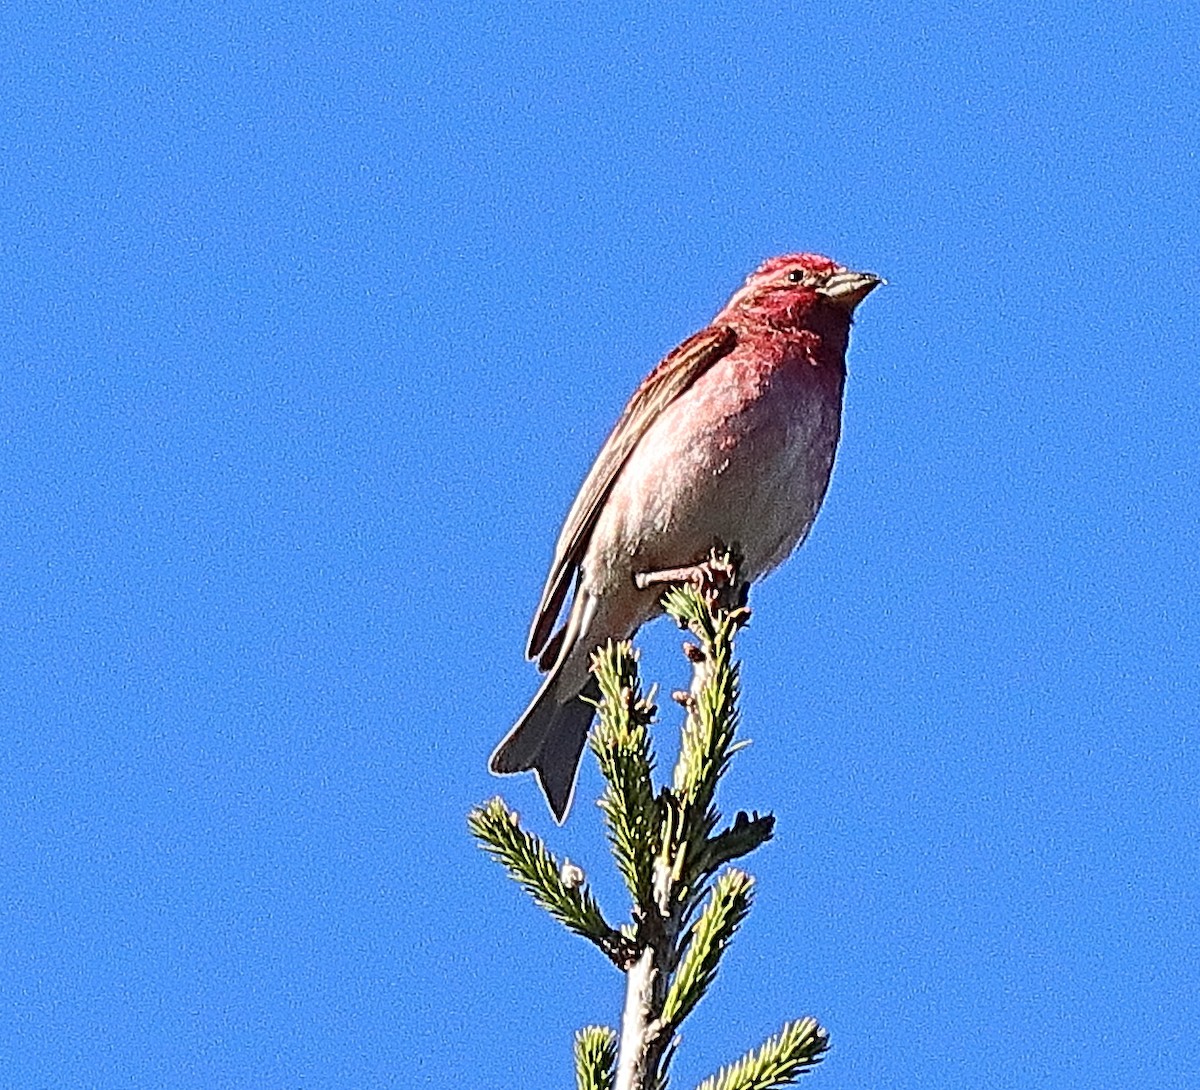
729 441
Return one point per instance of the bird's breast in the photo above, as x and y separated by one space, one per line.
743 457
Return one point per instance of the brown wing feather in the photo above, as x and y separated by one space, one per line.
678 370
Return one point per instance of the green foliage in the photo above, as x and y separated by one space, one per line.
530 863
705 942
780 1062
747 832
621 743
670 851
595 1058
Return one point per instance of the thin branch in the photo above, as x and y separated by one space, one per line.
668 849
711 604
555 887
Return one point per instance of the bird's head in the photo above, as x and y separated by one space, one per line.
796 290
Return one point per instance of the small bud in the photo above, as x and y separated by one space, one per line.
571 876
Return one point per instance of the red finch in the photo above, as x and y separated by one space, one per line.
729 441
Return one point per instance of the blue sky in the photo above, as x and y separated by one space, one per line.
314 320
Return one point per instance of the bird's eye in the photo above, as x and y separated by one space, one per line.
796 276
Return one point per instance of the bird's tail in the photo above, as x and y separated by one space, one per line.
549 739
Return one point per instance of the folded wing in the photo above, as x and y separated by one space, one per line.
678 370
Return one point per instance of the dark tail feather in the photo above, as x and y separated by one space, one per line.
549 739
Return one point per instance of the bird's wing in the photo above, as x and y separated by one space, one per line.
678 370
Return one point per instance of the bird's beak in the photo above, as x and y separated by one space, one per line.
848 289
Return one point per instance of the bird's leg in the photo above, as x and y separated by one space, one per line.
693 574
